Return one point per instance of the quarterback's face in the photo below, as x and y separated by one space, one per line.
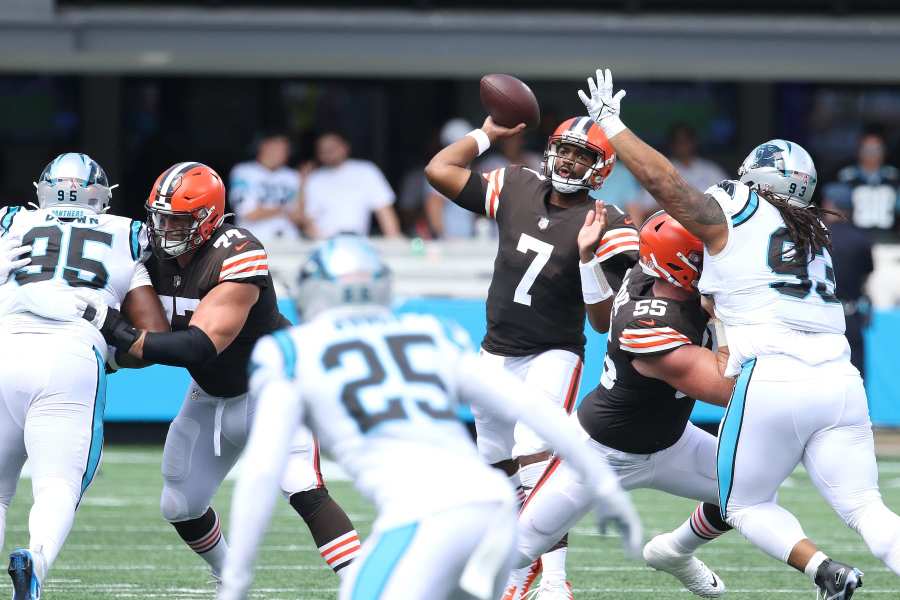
572 161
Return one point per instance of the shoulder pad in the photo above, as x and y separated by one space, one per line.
737 200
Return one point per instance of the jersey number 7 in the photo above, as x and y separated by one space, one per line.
544 250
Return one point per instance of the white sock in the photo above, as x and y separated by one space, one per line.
702 527
554 563
50 519
812 567
215 556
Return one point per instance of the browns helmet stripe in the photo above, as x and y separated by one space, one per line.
169 179
583 125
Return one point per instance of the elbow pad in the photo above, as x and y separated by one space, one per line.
189 348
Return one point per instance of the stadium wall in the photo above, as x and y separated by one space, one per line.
155 394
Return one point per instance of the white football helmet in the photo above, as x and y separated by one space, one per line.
73 183
783 168
345 270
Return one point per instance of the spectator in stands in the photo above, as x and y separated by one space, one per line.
445 218
851 255
873 187
698 172
621 189
341 194
264 192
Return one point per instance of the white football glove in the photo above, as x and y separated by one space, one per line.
11 249
614 508
602 105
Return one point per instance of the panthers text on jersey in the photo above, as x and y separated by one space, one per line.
379 390
232 254
101 252
628 411
535 301
768 302
875 196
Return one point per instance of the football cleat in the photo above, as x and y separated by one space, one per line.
517 590
552 591
26 584
837 581
689 570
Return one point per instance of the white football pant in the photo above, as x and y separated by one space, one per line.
53 394
205 441
555 374
782 413
687 468
435 557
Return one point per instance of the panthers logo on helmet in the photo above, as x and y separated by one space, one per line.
769 155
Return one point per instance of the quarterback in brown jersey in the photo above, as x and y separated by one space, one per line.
214 283
560 255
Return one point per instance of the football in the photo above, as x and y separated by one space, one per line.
509 101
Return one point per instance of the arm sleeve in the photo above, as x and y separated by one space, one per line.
505 395
189 348
278 412
478 193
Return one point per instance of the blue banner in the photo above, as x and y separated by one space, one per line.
156 393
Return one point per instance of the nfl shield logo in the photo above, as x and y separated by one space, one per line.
177 280
543 222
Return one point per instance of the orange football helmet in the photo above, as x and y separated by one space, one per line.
584 133
185 207
670 251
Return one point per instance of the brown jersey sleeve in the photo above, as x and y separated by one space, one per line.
481 193
618 249
240 257
656 326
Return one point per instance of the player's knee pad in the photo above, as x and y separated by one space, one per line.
854 509
173 505
550 514
179 448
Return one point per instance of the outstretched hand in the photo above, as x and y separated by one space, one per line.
590 234
602 105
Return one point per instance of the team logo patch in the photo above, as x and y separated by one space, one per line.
543 222
176 280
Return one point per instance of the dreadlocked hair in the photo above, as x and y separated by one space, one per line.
805 228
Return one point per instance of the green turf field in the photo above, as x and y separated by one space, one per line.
121 548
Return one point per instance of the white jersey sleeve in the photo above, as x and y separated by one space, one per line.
757 285
273 383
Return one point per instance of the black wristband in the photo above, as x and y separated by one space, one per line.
117 331
190 348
